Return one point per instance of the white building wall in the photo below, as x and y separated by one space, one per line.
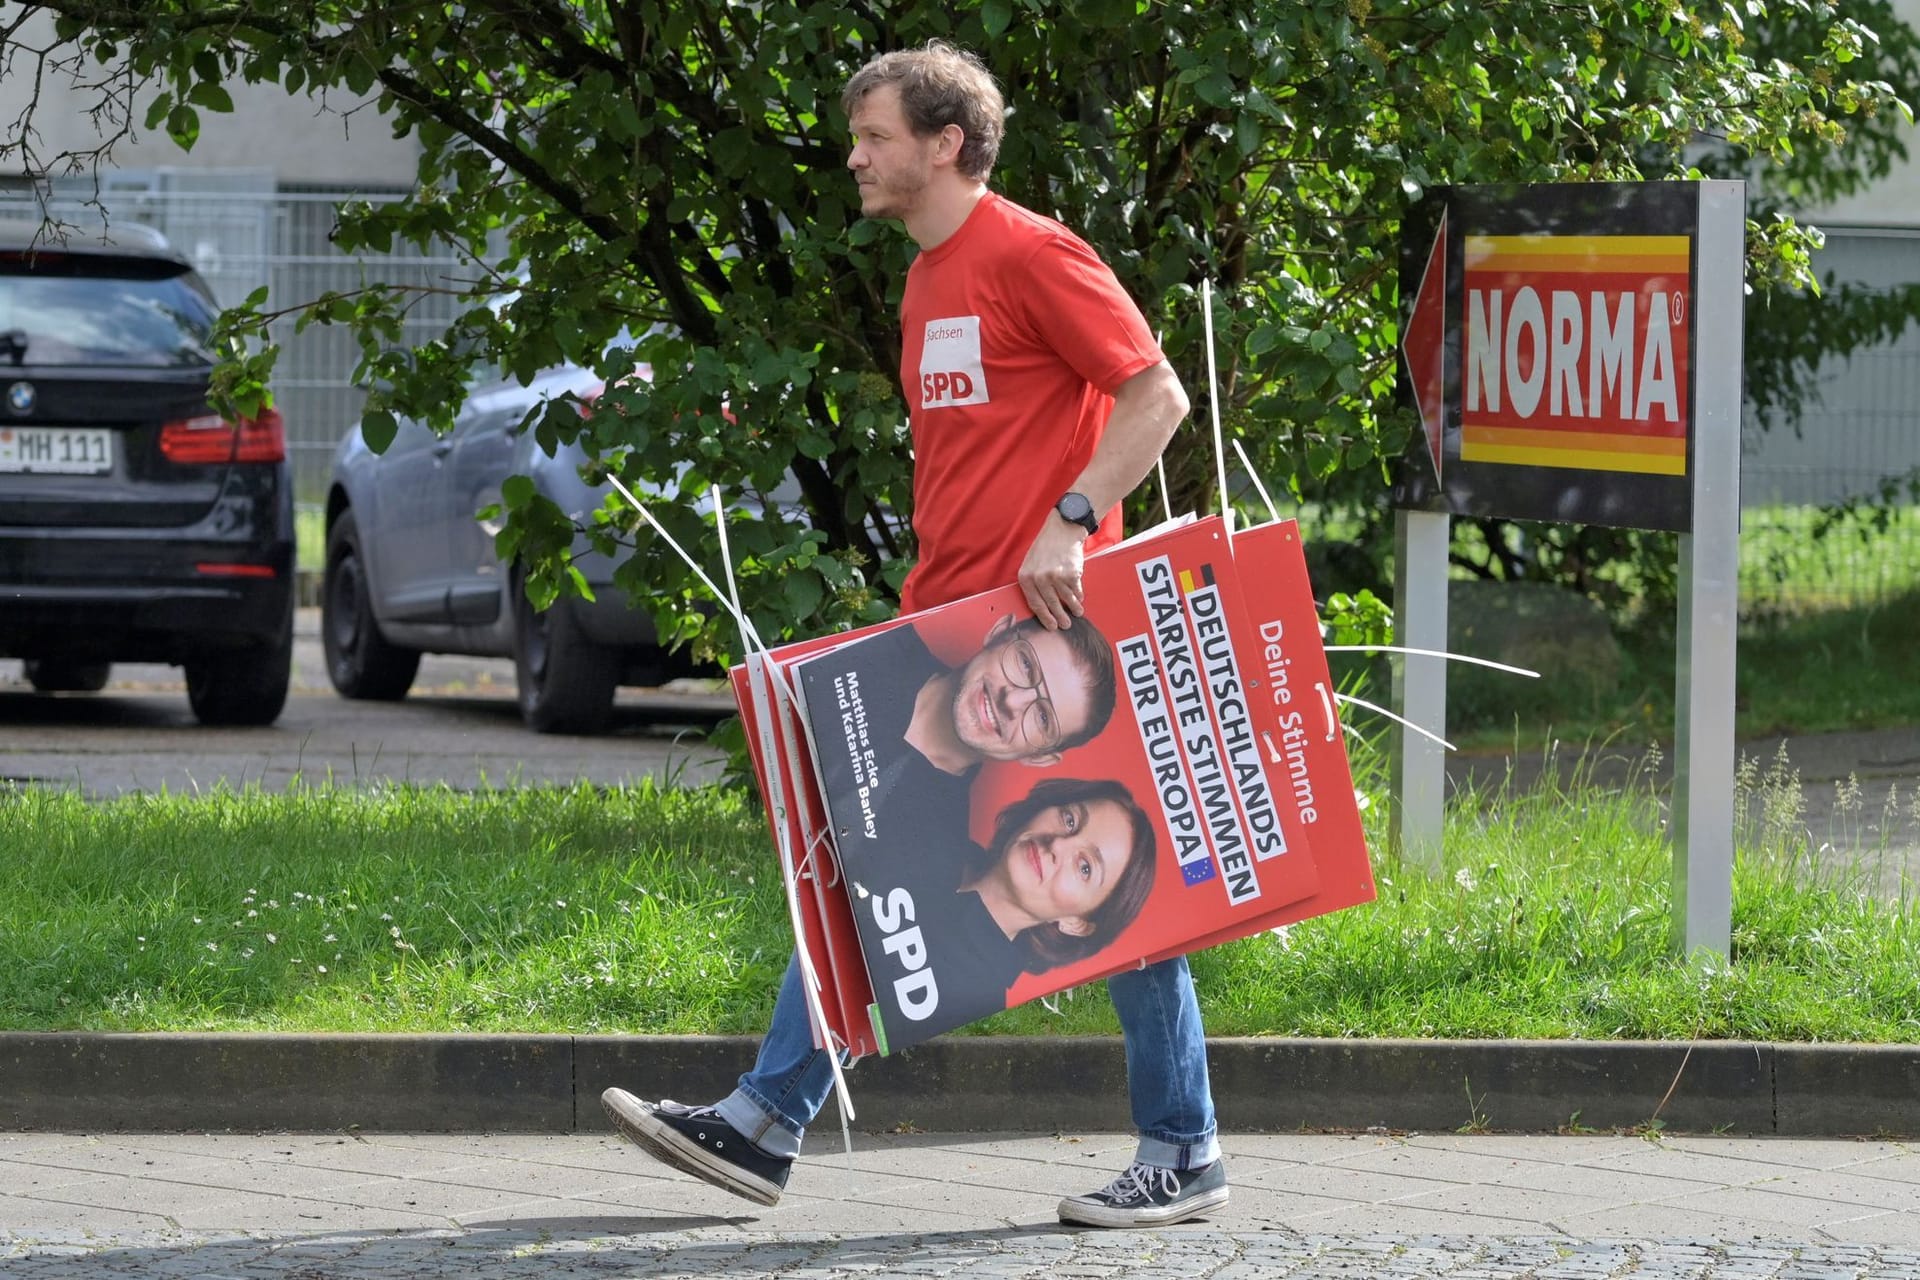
335 139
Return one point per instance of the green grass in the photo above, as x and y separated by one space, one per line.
1784 568
408 909
1811 672
651 910
309 539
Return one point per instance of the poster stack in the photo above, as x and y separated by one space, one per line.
979 811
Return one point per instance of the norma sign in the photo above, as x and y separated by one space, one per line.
1549 349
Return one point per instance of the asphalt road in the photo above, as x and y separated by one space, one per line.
459 726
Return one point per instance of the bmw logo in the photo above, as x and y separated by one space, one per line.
21 397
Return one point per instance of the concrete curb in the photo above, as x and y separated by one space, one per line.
551 1084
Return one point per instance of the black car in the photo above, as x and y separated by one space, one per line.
135 523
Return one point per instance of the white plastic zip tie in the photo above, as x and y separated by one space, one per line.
1213 405
1272 512
1326 709
1362 702
726 553
750 638
747 632
1430 653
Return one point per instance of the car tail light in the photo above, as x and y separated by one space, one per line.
211 440
227 570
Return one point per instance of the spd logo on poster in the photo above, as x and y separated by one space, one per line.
950 371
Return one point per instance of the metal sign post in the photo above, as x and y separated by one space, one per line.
1574 351
1419 770
1710 588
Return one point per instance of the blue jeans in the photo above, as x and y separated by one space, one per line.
1166 1070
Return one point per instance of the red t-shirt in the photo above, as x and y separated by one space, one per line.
1015 335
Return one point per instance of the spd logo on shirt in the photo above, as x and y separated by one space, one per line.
950 372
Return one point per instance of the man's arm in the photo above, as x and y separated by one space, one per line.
1146 409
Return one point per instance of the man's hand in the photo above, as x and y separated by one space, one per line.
1050 575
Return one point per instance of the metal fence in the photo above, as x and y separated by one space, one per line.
1861 425
243 231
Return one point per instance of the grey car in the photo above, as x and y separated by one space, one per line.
409 568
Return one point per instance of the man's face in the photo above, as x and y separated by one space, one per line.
1068 859
889 162
1020 696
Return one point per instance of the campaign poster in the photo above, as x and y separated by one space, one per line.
1017 810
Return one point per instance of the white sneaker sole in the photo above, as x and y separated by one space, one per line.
667 1145
1090 1213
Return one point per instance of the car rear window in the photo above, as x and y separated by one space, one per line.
92 309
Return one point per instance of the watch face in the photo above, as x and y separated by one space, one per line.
1075 507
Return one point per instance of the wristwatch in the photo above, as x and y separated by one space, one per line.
1075 507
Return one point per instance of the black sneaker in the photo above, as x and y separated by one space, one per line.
696 1140
1148 1196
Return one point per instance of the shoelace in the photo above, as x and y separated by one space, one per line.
1137 1183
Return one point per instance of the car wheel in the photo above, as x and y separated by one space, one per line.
360 662
243 686
62 675
566 680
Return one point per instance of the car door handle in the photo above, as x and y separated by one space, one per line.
443 446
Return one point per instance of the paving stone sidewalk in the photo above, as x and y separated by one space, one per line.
1468 1207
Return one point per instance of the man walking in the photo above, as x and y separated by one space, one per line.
1038 399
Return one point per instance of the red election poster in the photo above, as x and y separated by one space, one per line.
1290 684
1018 810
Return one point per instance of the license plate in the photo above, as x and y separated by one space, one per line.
69 451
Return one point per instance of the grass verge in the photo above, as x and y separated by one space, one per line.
655 910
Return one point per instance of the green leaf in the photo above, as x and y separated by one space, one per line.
378 428
212 96
516 491
804 590
183 125
994 17
1216 88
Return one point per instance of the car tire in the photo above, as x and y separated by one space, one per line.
241 686
566 681
62 675
360 662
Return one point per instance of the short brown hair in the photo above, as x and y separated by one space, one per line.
940 85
